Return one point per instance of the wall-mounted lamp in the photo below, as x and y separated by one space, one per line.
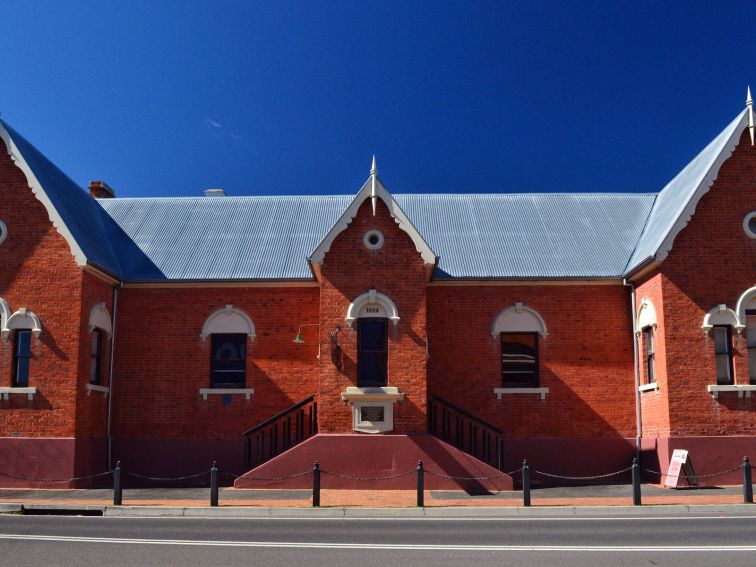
298 339
334 337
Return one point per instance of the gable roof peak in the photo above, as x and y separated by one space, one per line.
373 189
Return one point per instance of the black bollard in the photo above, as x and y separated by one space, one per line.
747 484
420 484
214 485
636 483
525 483
316 485
117 491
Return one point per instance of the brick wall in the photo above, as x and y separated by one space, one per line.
654 404
91 412
396 270
38 271
586 361
712 261
161 361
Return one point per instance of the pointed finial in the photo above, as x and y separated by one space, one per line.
749 106
373 175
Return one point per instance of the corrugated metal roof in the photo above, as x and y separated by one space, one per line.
589 235
529 236
222 238
677 194
81 215
476 236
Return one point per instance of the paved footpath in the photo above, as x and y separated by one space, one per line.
183 498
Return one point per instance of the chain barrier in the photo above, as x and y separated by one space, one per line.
167 478
502 475
228 474
57 480
594 477
345 477
287 477
697 476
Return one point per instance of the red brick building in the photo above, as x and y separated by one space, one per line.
576 330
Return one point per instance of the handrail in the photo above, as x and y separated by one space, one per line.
465 413
278 416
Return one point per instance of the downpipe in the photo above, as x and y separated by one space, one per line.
636 369
108 438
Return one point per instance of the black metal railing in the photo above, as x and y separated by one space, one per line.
280 432
465 431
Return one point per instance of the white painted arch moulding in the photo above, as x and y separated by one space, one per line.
372 298
745 301
23 319
646 316
719 315
228 319
519 318
5 313
99 318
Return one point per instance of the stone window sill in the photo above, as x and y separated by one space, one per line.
5 393
386 393
502 391
741 389
652 387
97 388
205 392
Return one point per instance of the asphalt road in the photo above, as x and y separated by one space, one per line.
557 542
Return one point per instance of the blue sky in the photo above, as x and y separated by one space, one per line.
170 98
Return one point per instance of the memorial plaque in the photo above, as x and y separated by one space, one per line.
372 413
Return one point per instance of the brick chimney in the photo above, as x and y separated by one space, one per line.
101 190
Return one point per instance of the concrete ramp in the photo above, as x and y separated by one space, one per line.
346 459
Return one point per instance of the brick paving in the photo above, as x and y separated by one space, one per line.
199 497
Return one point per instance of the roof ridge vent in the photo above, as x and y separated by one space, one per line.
215 193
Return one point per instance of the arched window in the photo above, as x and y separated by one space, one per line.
519 328
746 311
372 311
22 324
645 328
100 326
229 328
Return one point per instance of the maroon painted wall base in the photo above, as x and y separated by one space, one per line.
369 456
48 462
162 458
708 455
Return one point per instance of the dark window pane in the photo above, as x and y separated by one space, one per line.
648 341
228 366
95 358
372 352
751 343
21 355
723 353
23 343
519 359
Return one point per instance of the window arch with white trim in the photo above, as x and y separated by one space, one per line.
746 311
372 304
5 313
645 329
22 325
100 327
520 329
229 329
